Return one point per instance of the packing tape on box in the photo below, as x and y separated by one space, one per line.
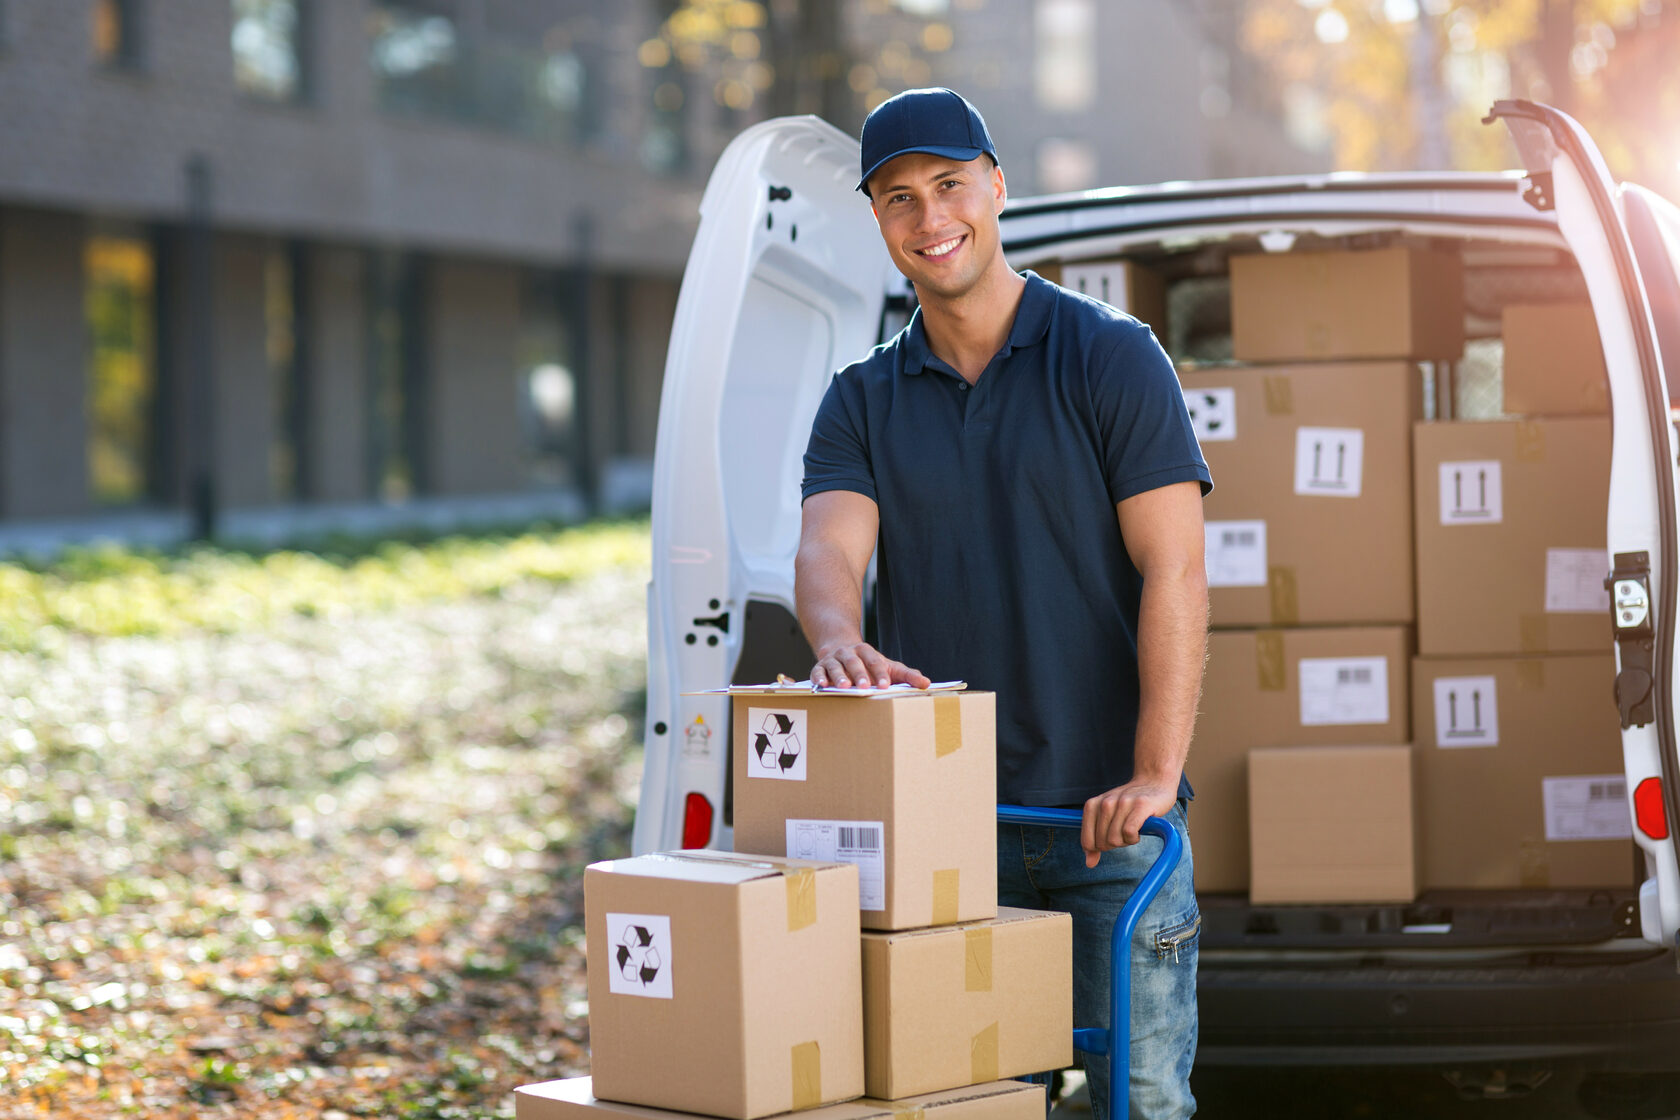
1268 661
1531 675
1532 633
801 898
1280 395
946 891
947 725
1531 442
909 1112
982 1055
807 1075
1534 864
977 959
1286 604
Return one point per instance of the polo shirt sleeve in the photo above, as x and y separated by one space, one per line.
837 456
1147 440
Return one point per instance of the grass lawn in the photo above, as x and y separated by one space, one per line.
290 835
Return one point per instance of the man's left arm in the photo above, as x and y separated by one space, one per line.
1162 529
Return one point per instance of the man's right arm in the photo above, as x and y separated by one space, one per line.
836 539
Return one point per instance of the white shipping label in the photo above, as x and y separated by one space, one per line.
857 842
1329 461
1471 493
776 744
1466 712
1236 553
1575 580
640 949
1106 282
1336 690
1587 808
1213 414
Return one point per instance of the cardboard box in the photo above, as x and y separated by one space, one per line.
1354 693
1554 365
1339 305
724 984
1511 554
1126 285
966 1004
1331 824
573 1099
903 783
1302 455
1520 773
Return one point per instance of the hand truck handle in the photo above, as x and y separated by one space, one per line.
1116 1041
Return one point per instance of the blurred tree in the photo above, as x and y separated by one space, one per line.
1395 84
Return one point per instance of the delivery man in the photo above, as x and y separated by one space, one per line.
1020 461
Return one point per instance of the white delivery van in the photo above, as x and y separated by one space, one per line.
788 281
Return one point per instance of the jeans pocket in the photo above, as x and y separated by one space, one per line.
1175 939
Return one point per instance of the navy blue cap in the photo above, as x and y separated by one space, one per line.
938 122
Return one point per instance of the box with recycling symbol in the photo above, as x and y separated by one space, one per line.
901 782
724 984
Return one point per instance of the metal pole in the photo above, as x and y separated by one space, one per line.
200 343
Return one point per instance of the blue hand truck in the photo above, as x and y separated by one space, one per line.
1116 1041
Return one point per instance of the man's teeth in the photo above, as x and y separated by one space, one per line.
942 248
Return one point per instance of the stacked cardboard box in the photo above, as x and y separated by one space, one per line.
740 985
905 784
1309 536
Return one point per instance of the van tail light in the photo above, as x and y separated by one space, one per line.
1648 809
697 821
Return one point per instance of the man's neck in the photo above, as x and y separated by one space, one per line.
967 332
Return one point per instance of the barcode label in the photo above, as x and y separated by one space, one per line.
1343 690
1236 553
855 842
1590 807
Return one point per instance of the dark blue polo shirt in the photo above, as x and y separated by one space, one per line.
1000 560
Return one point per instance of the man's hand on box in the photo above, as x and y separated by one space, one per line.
1115 819
861 665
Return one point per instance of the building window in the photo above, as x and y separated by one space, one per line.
416 57
395 378
1065 66
121 313
1066 165
116 32
546 385
281 273
268 46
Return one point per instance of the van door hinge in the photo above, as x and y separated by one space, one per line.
1629 584
1539 192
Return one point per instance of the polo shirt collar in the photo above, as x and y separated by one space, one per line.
1032 319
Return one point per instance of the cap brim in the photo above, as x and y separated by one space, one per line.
963 154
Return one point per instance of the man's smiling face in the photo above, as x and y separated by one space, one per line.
939 219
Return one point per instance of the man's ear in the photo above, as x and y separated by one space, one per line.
1000 192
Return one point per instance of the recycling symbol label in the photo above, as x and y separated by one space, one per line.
776 744
1213 413
639 952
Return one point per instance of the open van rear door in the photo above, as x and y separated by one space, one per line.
1567 174
786 282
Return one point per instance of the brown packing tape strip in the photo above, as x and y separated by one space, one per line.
1286 603
977 959
1534 864
1531 442
909 1112
1268 661
983 1055
946 890
807 1075
947 725
1280 395
1532 633
1531 675
801 898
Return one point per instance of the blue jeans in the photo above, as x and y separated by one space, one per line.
1044 869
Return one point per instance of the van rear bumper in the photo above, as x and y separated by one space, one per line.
1615 1010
